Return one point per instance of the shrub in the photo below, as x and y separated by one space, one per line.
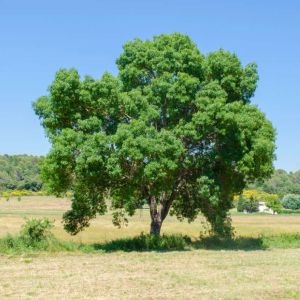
249 205
36 236
36 230
240 204
291 201
275 205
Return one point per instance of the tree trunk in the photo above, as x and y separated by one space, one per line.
155 227
159 214
155 215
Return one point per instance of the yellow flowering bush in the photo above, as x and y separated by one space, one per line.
257 195
21 193
271 200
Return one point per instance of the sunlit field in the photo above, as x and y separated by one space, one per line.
194 274
14 212
172 275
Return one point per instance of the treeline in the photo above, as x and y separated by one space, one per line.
20 172
281 183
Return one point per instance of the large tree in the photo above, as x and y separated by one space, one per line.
175 129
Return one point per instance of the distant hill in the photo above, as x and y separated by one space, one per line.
20 172
281 182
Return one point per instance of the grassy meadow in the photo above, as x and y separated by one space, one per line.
13 212
213 273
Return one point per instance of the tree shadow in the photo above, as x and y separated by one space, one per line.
144 243
237 243
167 243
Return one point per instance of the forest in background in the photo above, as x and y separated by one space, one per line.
281 183
22 172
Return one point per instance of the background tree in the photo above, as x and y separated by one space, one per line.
174 129
291 201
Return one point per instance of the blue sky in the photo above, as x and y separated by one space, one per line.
39 37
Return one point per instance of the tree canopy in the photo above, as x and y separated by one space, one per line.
174 129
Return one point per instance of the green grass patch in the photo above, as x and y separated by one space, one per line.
249 243
36 235
282 241
285 211
17 245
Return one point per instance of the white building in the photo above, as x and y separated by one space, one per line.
262 207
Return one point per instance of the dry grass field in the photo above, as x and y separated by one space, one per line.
174 275
14 212
195 274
